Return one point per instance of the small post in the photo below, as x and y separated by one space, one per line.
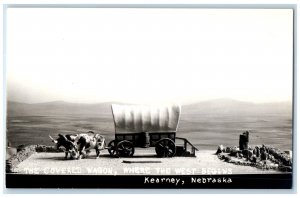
244 140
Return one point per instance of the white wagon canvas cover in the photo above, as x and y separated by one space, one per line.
145 118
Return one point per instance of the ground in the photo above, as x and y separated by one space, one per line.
144 162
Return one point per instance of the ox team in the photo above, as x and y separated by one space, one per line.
80 145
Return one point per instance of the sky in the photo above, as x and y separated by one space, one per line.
148 55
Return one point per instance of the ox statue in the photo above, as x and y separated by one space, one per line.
80 145
86 142
67 142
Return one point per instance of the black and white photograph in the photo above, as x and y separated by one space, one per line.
138 96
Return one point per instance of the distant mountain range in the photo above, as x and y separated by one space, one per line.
56 108
229 106
218 106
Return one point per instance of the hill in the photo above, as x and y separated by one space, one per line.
229 106
56 108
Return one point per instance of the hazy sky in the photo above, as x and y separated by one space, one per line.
149 55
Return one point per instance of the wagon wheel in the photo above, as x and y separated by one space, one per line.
112 148
165 148
125 149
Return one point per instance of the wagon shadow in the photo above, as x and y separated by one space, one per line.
54 158
135 156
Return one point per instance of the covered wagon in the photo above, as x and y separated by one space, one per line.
148 126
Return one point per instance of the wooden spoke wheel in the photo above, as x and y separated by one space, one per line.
165 148
125 149
112 148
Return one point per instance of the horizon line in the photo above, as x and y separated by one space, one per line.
206 100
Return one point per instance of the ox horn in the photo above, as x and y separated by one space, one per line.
53 140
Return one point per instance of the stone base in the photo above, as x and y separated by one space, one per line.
268 158
23 152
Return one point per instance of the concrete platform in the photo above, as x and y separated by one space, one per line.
144 162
